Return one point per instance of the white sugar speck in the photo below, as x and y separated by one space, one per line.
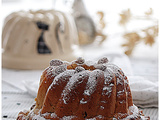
82 101
86 92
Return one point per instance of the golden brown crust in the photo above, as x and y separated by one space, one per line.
54 94
78 91
44 84
90 109
69 101
107 110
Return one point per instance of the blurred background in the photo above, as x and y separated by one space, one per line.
125 31
123 20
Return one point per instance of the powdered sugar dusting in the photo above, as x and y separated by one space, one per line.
108 74
114 68
92 82
80 60
51 71
103 60
95 118
55 62
66 73
87 92
56 80
119 81
60 69
100 66
135 112
133 109
38 117
89 63
53 115
91 119
82 101
107 90
79 69
68 117
74 79
108 83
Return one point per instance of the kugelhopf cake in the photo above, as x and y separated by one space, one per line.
30 39
83 90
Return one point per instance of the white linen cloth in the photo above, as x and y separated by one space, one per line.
144 92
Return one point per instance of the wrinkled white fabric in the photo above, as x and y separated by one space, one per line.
144 92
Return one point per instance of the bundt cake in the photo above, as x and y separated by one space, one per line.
30 39
83 90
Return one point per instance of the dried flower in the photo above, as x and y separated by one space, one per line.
101 25
134 38
125 17
150 33
149 12
149 39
